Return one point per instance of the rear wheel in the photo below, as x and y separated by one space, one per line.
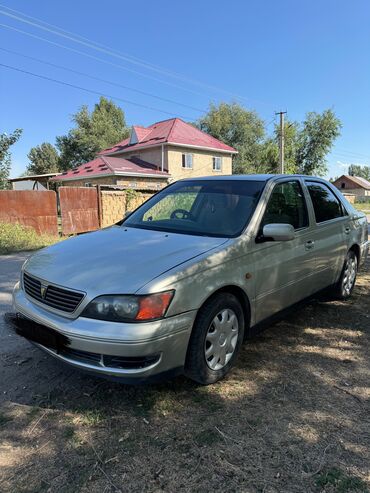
216 339
344 287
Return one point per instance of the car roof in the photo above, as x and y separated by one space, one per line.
256 177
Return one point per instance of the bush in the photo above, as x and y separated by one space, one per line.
15 238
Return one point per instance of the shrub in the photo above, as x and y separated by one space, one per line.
15 238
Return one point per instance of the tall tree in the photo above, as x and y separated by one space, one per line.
270 150
315 139
6 141
239 128
43 159
93 131
358 170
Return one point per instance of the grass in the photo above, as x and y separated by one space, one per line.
17 238
364 207
4 419
339 481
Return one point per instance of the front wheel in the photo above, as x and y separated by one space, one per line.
216 339
344 287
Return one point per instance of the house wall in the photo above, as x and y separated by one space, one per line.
202 163
345 184
152 155
359 192
172 162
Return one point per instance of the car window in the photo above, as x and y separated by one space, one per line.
286 205
201 207
164 208
325 203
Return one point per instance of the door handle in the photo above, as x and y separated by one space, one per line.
310 244
347 230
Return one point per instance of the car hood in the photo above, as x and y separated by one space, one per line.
115 260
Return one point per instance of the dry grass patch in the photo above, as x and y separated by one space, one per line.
293 417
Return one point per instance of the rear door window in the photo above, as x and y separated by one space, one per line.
325 204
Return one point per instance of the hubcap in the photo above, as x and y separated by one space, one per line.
221 339
349 275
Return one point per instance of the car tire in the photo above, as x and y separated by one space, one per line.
218 333
344 287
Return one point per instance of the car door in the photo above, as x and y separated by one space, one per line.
284 268
330 233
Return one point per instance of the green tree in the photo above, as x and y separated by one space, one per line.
306 144
358 170
6 141
93 132
43 159
239 128
315 140
270 150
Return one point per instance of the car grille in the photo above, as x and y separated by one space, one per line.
53 296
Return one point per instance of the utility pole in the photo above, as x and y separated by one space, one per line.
281 141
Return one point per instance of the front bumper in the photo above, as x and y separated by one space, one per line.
158 347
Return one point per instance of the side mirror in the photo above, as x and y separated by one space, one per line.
278 232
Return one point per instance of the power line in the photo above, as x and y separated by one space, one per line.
91 91
353 153
101 80
102 60
111 52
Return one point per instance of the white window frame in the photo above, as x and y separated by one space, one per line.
187 160
215 160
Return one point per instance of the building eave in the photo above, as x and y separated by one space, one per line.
106 175
175 144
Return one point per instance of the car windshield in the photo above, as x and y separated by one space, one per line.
220 208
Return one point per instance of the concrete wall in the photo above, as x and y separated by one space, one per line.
350 198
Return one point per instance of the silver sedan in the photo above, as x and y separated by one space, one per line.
180 283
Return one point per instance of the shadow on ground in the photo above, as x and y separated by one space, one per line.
292 417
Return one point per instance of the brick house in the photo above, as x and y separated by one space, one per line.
154 156
353 185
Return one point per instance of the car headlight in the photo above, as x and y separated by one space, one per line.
124 308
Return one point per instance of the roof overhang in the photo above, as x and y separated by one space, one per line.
175 144
105 175
34 177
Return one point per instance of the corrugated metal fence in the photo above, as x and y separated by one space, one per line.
81 209
31 208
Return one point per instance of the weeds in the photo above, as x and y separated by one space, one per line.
339 481
16 238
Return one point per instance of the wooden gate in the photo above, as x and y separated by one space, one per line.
79 208
32 208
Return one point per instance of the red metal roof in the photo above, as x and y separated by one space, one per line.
107 165
173 131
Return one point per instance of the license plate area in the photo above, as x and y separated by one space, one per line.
39 333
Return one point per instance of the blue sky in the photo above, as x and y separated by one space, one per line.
295 55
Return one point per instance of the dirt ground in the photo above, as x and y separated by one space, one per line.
294 416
